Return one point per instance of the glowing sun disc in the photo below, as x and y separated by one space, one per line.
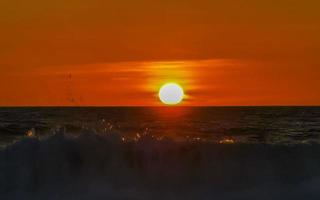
171 94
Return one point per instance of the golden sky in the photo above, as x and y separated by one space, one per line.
119 52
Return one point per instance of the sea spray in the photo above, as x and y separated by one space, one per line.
95 165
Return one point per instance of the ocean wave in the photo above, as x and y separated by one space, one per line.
94 165
271 125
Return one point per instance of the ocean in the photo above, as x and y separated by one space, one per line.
160 153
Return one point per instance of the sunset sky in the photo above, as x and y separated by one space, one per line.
119 52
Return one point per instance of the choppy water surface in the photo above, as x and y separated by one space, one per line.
160 153
272 125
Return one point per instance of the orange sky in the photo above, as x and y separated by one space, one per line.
119 52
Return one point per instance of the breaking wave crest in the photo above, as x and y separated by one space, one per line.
108 166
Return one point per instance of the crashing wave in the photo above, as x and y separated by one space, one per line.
92 165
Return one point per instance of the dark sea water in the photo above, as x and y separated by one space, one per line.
160 153
272 125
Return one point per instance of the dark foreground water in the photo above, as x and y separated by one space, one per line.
160 153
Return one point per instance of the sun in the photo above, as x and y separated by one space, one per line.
171 94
